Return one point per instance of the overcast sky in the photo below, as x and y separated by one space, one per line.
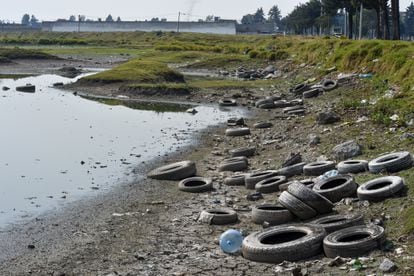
143 9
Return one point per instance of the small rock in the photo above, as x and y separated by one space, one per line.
387 266
337 261
328 117
31 246
5 88
254 197
192 111
314 139
395 117
57 84
399 250
269 70
407 136
293 159
347 150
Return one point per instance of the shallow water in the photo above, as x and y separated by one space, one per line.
56 147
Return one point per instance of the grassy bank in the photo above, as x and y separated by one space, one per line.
9 54
138 71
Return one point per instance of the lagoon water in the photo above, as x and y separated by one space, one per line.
56 147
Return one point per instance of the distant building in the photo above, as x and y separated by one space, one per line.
217 27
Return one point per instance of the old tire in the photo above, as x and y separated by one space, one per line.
247 152
352 166
253 178
270 185
267 106
271 213
262 125
334 223
300 88
310 182
380 188
242 131
311 93
393 162
318 202
296 206
264 101
235 180
318 168
234 164
174 171
292 108
227 102
329 85
284 243
296 169
220 216
195 185
282 104
353 241
337 187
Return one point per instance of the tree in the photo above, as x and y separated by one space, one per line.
259 16
72 18
118 19
109 18
275 15
409 20
33 21
209 18
395 11
26 19
304 17
248 19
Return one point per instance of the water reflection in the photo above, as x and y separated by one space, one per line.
56 147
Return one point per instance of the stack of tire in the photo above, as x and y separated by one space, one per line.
303 202
337 235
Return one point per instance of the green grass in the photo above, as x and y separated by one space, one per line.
391 62
138 71
19 53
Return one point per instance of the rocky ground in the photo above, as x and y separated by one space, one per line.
150 228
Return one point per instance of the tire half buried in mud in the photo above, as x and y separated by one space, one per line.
174 171
284 243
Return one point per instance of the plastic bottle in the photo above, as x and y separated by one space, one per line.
328 174
365 76
231 241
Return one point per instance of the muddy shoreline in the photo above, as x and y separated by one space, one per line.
150 228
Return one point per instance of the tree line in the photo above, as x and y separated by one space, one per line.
381 18
28 20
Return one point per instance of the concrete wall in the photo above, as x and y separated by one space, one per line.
225 27
17 28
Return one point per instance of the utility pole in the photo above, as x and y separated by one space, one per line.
360 21
345 23
79 22
178 22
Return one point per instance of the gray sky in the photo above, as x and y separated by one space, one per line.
143 9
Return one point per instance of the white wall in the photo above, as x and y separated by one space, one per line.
228 27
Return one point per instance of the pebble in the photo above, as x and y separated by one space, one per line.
387 266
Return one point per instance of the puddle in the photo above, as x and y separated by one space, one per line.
56 147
